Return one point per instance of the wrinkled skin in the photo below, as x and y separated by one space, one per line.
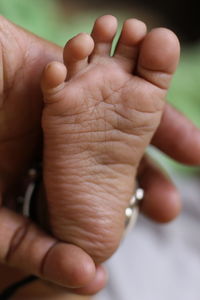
22 58
97 126
24 245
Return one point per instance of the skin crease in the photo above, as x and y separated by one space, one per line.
96 130
23 136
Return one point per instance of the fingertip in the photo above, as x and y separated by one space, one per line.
162 201
69 266
173 204
97 284
162 205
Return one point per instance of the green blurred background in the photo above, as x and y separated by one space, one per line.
59 20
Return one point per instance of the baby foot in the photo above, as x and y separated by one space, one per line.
100 114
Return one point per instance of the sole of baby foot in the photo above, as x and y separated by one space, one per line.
100 114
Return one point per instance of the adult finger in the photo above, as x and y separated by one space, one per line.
161 199
97 284
25 246
178 137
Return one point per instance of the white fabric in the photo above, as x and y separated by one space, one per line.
160 262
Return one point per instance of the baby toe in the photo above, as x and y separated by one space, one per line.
103 33
52 80
158 57
76 53
132 34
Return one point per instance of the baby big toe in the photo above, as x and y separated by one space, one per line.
159 56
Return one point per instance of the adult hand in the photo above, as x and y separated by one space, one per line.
178 138
23 244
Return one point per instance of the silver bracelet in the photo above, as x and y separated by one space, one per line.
25 201
132 211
